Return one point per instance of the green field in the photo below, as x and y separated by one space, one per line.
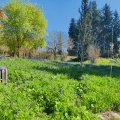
51 90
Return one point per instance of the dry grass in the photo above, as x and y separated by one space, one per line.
69 58
110 116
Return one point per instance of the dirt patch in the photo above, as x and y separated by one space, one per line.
110 115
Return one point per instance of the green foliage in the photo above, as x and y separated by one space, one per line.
73 33
96 27
81 32
85 36
96 15
25 27
106 26
99 99
116 27
51 90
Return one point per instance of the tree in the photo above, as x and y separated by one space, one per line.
93 49
96 15
52 42
3 17
60 42
3 47
73 34
25 27
106 28
70 49
116 30
55 42
84 30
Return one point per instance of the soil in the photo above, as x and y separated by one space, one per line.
110 115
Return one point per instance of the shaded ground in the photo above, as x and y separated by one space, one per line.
75 71
110 116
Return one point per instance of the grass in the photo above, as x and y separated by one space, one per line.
51 90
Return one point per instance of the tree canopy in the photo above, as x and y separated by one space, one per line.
25 26
94 26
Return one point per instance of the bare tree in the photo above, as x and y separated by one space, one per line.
60 42
55 42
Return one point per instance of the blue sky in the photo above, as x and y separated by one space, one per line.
59 12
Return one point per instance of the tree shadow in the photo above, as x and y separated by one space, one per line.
75 71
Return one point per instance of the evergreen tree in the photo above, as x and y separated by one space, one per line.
96 14
95 27
116 29
106 28
84 29
73 32
95 17
116 26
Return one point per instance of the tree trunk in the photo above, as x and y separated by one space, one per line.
82 55
54 54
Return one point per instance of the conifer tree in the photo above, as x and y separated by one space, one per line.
96 14
93 48
84 30
106 28
73 33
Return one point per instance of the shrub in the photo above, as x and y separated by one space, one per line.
64 56
93 53
45 55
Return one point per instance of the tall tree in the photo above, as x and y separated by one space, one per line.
3 46
60 40
55 42
73 34
84 29
106 28
3 18
25 27
116 29
95 16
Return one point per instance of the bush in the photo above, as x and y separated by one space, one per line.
64 56
93 53
45 55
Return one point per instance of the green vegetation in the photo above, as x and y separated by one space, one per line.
95 33
51 90
25 27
